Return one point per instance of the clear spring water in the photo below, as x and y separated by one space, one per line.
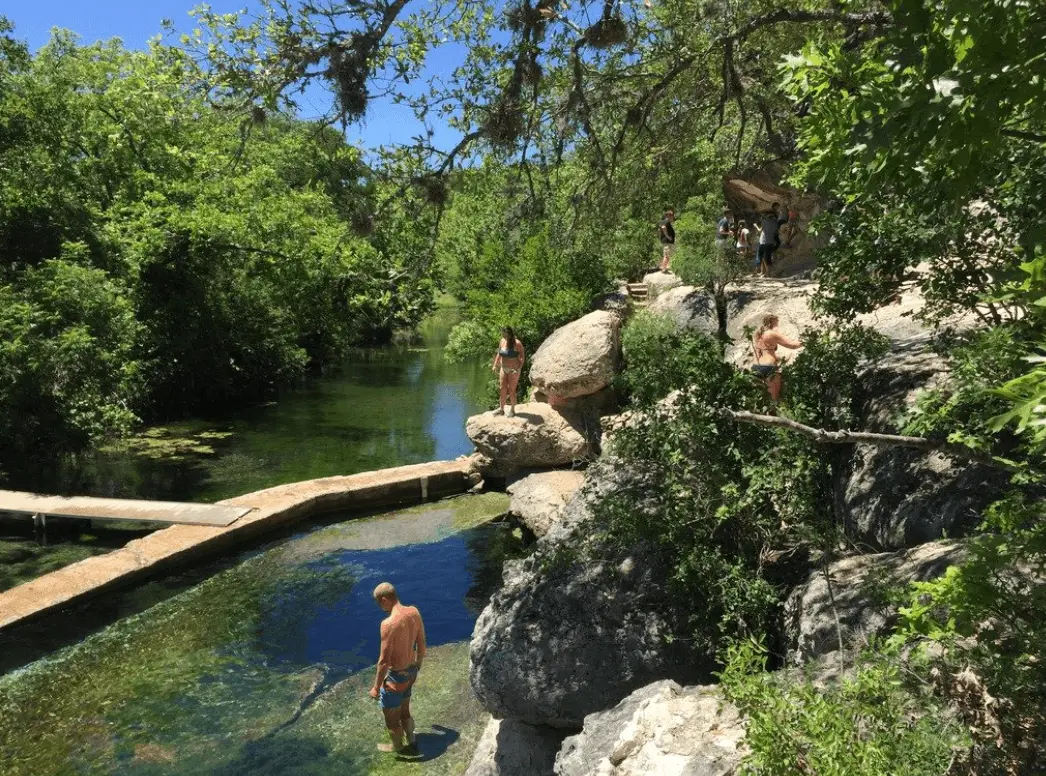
263 667
385 407
260 662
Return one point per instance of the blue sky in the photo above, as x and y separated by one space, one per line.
135 21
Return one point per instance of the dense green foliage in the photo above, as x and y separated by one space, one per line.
179 255
880 720
158 255
733 502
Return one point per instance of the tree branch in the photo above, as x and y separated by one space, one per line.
1023 135
824 437
793 16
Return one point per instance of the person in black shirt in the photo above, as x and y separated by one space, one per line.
668 239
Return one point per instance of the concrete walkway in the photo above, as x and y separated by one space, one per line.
178 545
88 507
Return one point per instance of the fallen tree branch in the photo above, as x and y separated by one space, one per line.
824 437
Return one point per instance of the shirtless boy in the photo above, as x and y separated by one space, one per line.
402 651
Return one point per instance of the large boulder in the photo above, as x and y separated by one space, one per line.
511 748
659 730
857 605
539 436
891 498
658 283
688 307
578 359
538 499
577 625
748 304
617 302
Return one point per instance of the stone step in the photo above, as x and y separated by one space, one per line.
637 291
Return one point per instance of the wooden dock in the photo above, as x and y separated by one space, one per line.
40 507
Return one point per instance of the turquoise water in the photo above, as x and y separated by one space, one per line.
259 662
385 407
262 668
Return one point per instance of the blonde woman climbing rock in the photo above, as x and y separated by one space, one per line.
767 364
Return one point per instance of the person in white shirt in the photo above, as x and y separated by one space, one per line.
744 248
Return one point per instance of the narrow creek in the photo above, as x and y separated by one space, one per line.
259 663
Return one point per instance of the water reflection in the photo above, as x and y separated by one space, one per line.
385 407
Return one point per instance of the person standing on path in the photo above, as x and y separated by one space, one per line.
724 231
402 652
667 234
768 241
744 245
509 359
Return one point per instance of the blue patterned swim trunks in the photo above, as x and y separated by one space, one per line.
397 687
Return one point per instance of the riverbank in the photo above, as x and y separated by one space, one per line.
392 406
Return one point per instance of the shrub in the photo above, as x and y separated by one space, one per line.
880 720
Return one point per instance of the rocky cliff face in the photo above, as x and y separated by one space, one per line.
891 498
576 627
751 192
577 638
659 730
858 607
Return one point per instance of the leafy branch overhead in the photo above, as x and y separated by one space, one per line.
535 78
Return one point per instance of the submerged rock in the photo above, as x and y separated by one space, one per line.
539 436
511 748
538 499
578 359
659 730
577 625
861 588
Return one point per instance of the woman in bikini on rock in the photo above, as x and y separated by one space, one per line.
509 360
765 342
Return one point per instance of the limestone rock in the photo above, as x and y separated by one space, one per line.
539 436
749 303
753 191
580 358
538 499
658 283
891 498
511 748
617 302
688 307
659 730
859 586
577 626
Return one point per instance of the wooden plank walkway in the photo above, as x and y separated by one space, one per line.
120 509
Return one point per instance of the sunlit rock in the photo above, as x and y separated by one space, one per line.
659 730
578 359
538 436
